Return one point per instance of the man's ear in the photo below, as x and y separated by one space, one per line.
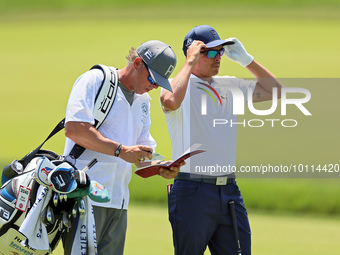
138 63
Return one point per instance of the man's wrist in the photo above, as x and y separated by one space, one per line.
118 149
247 60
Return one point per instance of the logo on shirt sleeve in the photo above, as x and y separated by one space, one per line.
145 112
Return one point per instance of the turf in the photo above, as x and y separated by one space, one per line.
44 48
149 232
43 52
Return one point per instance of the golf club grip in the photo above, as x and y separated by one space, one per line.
235 227
91 164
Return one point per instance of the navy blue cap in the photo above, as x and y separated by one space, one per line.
206 34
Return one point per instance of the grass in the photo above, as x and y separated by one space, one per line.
44 52
270 194
149 232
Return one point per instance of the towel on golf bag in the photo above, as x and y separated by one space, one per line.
32 227
85 232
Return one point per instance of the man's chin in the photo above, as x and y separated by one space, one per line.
216 70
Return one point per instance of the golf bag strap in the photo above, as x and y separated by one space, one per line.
103 101
27 158
106 94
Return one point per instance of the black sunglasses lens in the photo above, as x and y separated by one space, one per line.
213 53
152 81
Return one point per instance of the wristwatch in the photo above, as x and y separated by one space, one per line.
117 151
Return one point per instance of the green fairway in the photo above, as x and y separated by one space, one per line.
45 49
149 233
43 52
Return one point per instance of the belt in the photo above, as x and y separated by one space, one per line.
219 180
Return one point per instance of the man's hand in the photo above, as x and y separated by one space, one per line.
135 154
172 101
194 51
172 172
237 53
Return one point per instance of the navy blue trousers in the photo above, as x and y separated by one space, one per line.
200 217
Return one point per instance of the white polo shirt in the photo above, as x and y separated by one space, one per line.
187 125
126 124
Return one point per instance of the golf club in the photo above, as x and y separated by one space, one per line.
234 221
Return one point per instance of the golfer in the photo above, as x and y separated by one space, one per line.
199 200
122 139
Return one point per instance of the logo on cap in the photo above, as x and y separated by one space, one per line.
213 32
169 71
189 42
148 54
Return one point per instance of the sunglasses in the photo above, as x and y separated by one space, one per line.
150 79
213 53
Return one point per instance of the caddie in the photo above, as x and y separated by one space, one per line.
122 139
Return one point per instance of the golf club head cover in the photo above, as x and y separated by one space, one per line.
62 178
237 53
42 170
82 179
95 191
98 192
79 192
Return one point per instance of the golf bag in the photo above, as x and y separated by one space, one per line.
23 189
17 196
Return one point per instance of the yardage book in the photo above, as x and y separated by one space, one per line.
148 171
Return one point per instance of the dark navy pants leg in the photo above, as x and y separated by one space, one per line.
225 231
199 216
